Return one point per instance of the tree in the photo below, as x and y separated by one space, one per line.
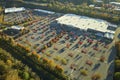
51 64
45 60
118 48
57 58
34 53
115 19
26 75
59 68
64 61
3 68
84 72
38 56
12 75
32 79
96 76
27 49
117 64
9 62
117 75
93 13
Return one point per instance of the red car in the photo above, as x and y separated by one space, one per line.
90 40
84 51
95 48
73 66
89 62
20 39
80 42
55 48
102 58
106 46
70 54
67 37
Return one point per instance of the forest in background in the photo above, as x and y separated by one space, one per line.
73 1
70 7
117 62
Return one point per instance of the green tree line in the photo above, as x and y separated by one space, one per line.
117 62
13 69
80 9
39 65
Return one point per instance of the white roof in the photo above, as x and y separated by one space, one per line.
117 3
109 35
117 9
85 23
99 1
44 11
91 5
14 9
113 25
97 7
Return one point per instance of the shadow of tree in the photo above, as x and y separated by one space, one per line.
110 72
112 54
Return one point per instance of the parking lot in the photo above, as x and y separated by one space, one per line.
74 49
19 17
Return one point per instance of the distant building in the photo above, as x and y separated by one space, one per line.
97 7
91 5
14 9
117 9
100 27
99 1
115 3
44 11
